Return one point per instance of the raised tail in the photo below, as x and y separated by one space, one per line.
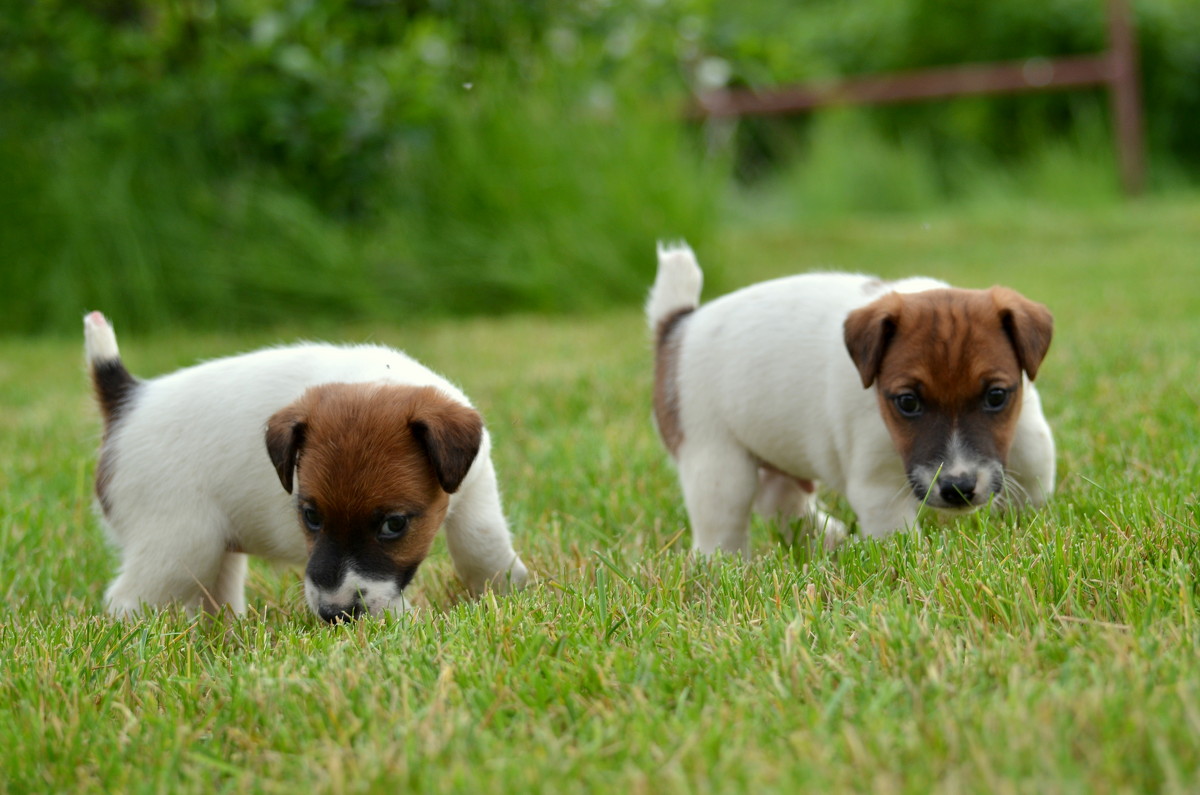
676 289
111 381
674 296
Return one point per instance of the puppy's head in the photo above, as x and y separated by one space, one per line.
372 467
947 365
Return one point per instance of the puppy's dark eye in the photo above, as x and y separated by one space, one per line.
908 404
311 518
393 527
995 399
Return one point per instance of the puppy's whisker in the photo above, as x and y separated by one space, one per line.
1012 494
901 495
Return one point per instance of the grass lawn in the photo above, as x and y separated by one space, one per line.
1057 651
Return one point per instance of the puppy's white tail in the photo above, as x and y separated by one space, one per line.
112 383
100 342
676 289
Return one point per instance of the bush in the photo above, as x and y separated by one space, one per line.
249 161
344 161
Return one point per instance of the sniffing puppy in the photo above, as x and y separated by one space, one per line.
763 391
347 459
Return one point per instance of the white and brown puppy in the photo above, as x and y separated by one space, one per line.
765 390
347 459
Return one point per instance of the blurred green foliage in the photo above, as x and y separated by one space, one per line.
776 42
234 162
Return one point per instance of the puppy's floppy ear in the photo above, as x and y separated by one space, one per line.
285 439
1029 326
450 433
868 331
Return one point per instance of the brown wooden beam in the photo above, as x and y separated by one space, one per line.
1115 69
1032 74
1126 97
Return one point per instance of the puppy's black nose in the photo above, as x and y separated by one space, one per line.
956 490
332 613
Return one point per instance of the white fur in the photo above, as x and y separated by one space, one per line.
99 339
376 595
679 284
191 476
764 377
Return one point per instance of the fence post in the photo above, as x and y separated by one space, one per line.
1125 97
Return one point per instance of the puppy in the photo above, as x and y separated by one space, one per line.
765 390
347 459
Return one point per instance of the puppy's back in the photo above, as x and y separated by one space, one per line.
205 425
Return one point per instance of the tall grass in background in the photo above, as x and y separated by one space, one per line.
142 228
844 166
552 203
511 206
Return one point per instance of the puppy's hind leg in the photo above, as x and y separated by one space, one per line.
230 585
719 482
786 499
160 579
164 562
477 534
882 509
781 497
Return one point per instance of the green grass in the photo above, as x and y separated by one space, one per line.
1052 652
507 207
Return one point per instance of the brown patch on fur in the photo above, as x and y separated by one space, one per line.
1029 326
363 452
805 485
949 347
104 470
666 384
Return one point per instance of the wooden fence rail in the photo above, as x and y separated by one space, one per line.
1116 69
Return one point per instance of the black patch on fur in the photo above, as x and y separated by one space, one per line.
326 565
114 388
371 561
329 560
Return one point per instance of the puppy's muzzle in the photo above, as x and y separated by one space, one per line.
957 492
338 613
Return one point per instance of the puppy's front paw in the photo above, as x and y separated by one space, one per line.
514 579
833 532
508 580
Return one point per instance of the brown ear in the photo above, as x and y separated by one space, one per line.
450 434
285 439
1029 326
868 331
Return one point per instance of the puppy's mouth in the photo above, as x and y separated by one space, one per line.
956 493
335 614
355 597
